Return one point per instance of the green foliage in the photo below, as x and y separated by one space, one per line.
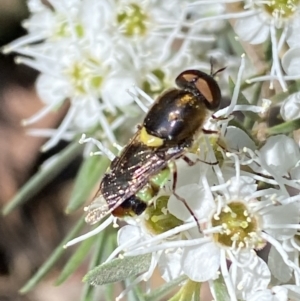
88 176
220 289
45 268
118 269
284 128
44 176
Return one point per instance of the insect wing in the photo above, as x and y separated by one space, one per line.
97 210
128 174
103 204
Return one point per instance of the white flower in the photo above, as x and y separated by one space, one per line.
272 157
258 21
228 208
291 62
236 139
75 59
247 273
290 109
90 52
266 19
232 226
277 293
277 266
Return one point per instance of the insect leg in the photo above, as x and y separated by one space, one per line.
190 162
173 168
209 132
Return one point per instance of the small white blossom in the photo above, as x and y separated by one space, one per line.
290 109
277 293
272 157
90 52
257 21
291 62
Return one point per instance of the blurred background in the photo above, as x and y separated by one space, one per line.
30 233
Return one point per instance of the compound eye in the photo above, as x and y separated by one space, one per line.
186 78
204 88
200 83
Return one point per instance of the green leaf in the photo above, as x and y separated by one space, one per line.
284 128
44 269
110 246
76 259
118 269
190 291
234 43
88 291
165 289
44 176
220 289
197 292
88 175
138 293
132 293
293 88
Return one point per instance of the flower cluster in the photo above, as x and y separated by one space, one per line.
244 223
241 211
235 214
227 211
256 22
90 52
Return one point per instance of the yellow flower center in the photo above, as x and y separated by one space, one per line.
63 29
83 76
158 219
281 8
133 19
240 227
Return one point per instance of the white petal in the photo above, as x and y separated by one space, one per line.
278 267
252 277
188 174
95 14
282 215
241 187
87 116
42 22
291 61
264 295
290 108
252 29
114 90
295 173
196 198
280 292
170 265
201 263
276 151
51 90
128 232
35 6
293 291
293 36
236 139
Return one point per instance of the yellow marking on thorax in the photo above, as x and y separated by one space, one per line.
184 100
150 140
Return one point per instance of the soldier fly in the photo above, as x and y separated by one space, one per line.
167 132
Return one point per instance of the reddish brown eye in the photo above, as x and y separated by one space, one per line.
202 85
204 88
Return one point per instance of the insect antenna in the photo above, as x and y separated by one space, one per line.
212 73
